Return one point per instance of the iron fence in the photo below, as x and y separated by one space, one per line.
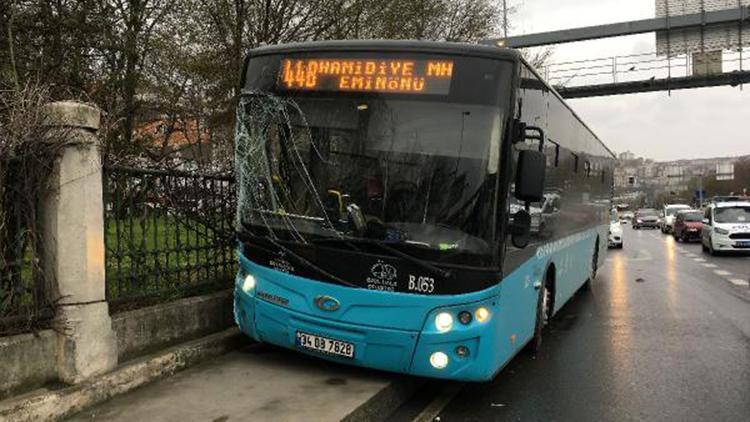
24 304
169 234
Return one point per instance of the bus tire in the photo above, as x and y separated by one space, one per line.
594 267
544 307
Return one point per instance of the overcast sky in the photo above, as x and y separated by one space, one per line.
696 123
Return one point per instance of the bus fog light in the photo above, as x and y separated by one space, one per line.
462 351
248 284
439 360
482 314
444 322
464 317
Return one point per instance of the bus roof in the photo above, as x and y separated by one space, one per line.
465 49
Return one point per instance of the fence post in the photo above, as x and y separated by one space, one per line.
73 239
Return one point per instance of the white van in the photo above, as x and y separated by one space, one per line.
726 227
668 215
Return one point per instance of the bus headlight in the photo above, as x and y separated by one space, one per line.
439 360
482 314
248 283
443 322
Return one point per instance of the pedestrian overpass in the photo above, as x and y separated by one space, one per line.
700 49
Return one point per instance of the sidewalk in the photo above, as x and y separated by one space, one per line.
261 383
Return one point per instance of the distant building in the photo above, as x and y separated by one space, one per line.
651 178
626 156
178 138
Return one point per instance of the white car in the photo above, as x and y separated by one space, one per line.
726 227
668 215
614 240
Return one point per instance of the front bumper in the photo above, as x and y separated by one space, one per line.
690 236
614 240
724 243
401 351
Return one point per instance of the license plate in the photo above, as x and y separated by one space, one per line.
325 345
743 244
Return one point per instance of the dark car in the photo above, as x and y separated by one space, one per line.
688 225
646 217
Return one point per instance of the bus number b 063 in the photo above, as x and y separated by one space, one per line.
421 284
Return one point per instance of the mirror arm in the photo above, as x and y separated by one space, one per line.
522 133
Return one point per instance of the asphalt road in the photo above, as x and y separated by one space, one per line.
663 336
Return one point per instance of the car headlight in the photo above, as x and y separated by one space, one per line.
248 283
720 230
443 322
639 221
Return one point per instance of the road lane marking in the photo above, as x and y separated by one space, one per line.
642 255
722 272
429 413
709 265
699 260
739 282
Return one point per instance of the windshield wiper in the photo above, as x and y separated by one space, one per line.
390 249
297 258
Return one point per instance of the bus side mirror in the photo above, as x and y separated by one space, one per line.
520 229
530 174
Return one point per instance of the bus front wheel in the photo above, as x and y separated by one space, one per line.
544 309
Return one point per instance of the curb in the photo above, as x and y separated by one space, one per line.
50 405
383 404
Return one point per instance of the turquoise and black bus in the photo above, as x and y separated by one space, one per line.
415 207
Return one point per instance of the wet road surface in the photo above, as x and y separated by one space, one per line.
663 336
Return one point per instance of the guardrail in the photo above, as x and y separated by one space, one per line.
635 67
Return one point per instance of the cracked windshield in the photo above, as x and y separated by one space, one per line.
400 170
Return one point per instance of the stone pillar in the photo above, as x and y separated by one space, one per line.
73 221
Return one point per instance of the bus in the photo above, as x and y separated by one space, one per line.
415 207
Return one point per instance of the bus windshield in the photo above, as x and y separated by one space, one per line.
405 170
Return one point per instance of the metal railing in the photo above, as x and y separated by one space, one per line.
634 67
168 234
24 305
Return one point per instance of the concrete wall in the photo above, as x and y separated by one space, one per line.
27 361
149 329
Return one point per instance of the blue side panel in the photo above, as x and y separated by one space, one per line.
572 259
519 301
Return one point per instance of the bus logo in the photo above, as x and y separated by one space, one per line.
383 271
327 303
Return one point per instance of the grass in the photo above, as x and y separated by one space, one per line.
165 257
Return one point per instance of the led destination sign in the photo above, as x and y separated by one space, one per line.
398 76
